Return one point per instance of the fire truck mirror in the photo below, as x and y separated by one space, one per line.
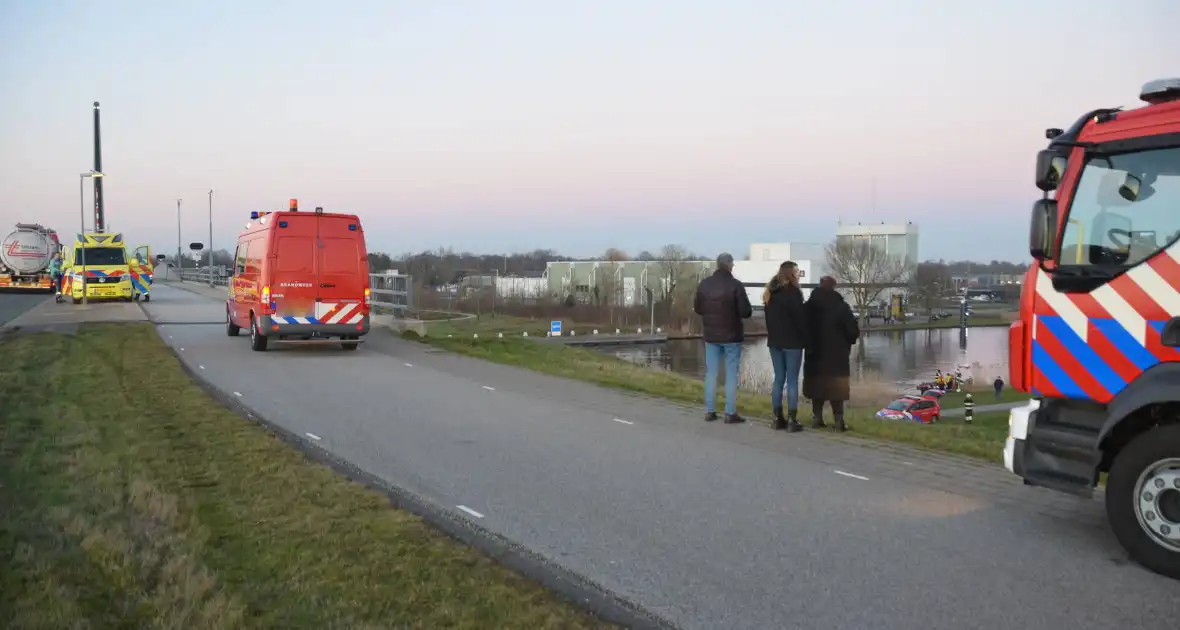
160 257
1133 189
1042 229
1050 169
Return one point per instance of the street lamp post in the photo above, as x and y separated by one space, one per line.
82 214
210 237
179 264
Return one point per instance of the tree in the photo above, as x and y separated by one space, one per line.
931 282
671 269
865 270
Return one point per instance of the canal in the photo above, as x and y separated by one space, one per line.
883 362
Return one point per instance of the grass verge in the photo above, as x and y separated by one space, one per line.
983 439
152 506
983 396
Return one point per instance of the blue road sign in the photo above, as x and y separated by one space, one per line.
555 328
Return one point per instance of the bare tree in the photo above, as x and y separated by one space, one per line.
615 255
671 270
931 282
865 270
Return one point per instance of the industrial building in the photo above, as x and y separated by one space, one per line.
627 281
899 240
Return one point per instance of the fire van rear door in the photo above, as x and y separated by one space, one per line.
341 283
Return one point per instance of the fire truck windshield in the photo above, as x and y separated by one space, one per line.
1125 208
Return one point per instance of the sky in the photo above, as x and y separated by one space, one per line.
510 125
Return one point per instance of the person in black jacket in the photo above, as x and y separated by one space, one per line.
722 303
786 335
826 370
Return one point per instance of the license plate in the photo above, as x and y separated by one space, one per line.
104 292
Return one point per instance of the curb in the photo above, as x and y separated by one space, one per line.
579 591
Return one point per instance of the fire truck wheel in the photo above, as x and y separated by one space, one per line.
231 329
1143 499
257 340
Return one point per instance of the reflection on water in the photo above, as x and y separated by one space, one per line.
900 359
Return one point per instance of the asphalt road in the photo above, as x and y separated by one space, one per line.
709 525
13 305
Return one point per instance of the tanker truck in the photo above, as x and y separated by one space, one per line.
25 255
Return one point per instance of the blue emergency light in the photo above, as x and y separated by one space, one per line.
254 215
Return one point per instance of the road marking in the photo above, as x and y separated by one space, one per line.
622 421
490 389
409 365
313 436
201 366
469 511
238 394
847 474
182 349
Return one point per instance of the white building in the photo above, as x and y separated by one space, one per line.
765 252
899 240
754 274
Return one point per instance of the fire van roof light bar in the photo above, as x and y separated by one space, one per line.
1160 91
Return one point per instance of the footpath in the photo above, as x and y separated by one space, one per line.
49 316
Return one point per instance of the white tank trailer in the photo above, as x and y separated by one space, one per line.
25 255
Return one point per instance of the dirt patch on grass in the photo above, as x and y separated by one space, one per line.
151 506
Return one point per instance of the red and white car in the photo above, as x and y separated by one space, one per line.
921 409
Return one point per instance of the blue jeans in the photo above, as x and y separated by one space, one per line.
732 352
786 362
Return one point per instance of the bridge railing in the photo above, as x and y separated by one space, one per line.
220 275
392 293
389 293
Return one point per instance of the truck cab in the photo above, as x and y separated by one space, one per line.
300 277
1098 336
97 266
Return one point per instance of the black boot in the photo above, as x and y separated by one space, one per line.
733 418
840 428
710 416
817 419
780 422
793 425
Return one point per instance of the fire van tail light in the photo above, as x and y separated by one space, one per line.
266 300
367 297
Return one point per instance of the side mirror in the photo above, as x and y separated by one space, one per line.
1050 169
1042 232
160 257
1132 189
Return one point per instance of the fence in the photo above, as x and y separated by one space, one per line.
392 292
388 293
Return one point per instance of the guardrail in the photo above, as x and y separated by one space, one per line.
202 275
388 293
392 293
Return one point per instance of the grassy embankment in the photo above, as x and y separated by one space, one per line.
983 439
154 507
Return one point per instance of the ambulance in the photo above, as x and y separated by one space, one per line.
102 260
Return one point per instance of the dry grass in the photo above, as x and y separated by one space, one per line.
151 506
983 439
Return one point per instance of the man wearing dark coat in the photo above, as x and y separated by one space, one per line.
826 369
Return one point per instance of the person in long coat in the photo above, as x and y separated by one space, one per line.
826 368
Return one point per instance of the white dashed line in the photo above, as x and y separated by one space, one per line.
847 474
622 421
409 365
313 436
201 366
182 349
238 394
490 389
469 511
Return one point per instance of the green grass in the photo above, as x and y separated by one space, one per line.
151 506
983 439
983 396
488 325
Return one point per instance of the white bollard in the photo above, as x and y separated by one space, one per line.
526 334
572 333
616 331
659 330
596 331
475 336
449 336
500 335
639 331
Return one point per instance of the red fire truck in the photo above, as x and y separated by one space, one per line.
1097 339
